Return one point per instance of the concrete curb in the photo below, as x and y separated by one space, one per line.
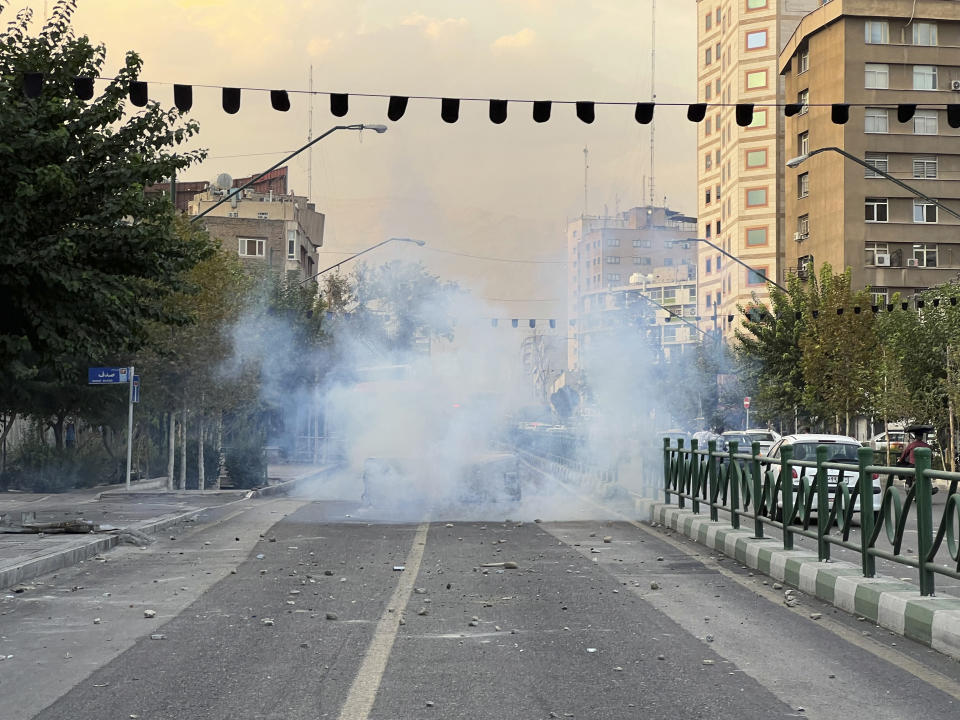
287 486
887 602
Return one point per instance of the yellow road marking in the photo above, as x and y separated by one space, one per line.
365 685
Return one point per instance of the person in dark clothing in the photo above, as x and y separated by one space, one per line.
906 458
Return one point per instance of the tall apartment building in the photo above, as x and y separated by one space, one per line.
621 269
740 169
875 56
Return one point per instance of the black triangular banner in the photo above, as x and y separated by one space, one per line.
839 113
83 87
744 114
696 112
450 110
279 100
791 109
397 107
498 111
953 116
586 111
644 113
541 110
183 97
138 93
905 112
339 104
231 100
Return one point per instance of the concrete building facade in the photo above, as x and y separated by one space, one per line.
620 268
267 231
740 169
874 55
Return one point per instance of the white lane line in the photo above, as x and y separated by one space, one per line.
364 689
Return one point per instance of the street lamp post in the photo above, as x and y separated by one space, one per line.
419 243
357 126
797 161
739 261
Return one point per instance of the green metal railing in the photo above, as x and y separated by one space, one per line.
762 490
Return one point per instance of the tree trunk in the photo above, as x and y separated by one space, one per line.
171 450
182 484
57 427
219 447
200 477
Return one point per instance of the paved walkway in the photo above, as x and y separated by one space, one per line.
27 555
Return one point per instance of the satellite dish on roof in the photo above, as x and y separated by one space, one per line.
223 181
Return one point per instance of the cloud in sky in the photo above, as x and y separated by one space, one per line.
520 39
434 27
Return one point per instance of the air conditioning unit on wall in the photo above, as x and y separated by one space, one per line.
883 260
913 262
955 85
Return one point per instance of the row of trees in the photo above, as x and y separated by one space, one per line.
824 355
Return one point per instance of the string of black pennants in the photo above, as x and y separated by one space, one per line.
83 87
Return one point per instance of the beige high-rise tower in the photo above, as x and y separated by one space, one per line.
740 169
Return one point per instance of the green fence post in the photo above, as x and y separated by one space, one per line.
681 474
733 472
921 457
757 490
823 505
695 473
666 470
867 561
712 478
786 494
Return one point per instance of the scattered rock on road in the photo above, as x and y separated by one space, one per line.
332 616
149 614
268 622
654 585
608 539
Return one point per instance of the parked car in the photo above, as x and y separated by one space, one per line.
765 437
895 438
674 435
843 449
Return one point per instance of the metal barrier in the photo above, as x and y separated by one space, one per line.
786 493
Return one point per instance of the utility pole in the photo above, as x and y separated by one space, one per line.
653 87
310 136
586 168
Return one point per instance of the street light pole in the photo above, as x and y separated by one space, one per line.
357 126
795 162
741 262
420 243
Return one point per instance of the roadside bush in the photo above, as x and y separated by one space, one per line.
246 465
211 465
42 468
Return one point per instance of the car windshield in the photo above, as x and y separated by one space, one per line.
837 452
761 436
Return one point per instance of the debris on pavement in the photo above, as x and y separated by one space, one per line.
158 636
654 585
608 539
332 616
149 614
591 650
268 622
422 611
399 568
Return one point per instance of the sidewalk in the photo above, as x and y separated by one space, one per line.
146 509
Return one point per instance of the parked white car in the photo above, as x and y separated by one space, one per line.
843 449
765 437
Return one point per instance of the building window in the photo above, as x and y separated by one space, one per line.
708 231
803 226
613 242
641 243
923 211
756 40
708 56
262 215
756 236
756 79
803 61
803 100
925 168
708 126
757 276
925 122
877 32
873 249
667 262
708 91
803 143
875 120
717 263
709 268
876 76
613 277
250 247
877 160
756 4
706 198
708 21
718 16
756 197
233 213
925 254
879 296
875 209
759 119
757 158
291 244
612 259
924 33
803 185
708 161
641 260
924 77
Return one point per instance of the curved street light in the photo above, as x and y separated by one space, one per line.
419 243
379 129
797 161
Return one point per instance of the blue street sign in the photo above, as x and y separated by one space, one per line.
107 376
136 388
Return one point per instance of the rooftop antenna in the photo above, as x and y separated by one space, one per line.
653 85
310 136
586 167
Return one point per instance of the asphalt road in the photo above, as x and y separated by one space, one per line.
646 625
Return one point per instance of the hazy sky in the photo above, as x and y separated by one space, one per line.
472 187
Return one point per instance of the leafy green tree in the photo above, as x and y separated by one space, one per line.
86 258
